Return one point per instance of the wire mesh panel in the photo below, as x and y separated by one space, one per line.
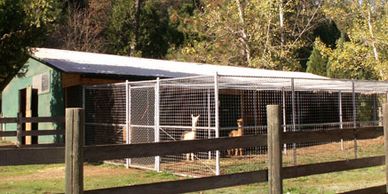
205 107
243 102
142 129
105 114
187 112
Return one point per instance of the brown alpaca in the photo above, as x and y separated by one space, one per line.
237 133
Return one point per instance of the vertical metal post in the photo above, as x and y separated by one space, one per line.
127 119
84 109
156 121
255 103
19 130
1 126
374 111
293 118
385 124
217 124
284 117
209 135
386 97
341 125
354 117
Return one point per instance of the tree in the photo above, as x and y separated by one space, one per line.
147 33
317 63
264 34
22 25
363 53
82 28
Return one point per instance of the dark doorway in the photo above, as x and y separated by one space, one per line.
28 107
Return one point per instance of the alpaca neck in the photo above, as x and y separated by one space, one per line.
194 129
240 129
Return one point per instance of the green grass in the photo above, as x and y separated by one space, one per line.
50 178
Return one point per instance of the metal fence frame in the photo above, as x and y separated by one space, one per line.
217 85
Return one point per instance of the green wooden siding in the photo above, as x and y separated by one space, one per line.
49 104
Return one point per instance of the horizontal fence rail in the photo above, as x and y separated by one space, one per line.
198 184
60 119
333 135
31 133
119 151
375 189
190 185
23 156
8 120
46 155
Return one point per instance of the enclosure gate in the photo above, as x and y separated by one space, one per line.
141 122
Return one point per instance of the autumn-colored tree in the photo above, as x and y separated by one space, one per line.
264 34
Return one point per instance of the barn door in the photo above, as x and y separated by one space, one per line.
28 107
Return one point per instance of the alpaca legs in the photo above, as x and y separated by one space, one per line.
190 156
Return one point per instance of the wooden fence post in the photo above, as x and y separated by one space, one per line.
19 128
275 181
385 124
74 151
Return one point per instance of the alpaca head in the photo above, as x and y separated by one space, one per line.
194 120
240 122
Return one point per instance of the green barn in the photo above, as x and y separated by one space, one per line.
52 80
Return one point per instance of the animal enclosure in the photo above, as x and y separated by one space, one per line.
206 107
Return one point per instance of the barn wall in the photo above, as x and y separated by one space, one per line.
49 103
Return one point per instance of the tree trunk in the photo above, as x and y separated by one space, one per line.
281 23
244 37
136 24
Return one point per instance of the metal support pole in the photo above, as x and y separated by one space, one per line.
255 103
1 126
127 118
354 117
209 122
217 124
84 109
284 117
341 125
19 130
156 121
293 118
385 123
374 111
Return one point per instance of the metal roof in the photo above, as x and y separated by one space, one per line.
95 63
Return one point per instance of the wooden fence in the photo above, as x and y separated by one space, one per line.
76 153
20 133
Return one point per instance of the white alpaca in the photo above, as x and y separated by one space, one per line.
190 135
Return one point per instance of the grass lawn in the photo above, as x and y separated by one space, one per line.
50 178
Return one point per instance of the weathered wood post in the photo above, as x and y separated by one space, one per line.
73 151
19 128
385 124
275 181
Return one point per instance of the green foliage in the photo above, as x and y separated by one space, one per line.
225 36
157 32
120 31
22 25
361 52
317 63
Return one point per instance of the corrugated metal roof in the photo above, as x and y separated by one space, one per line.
94 63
